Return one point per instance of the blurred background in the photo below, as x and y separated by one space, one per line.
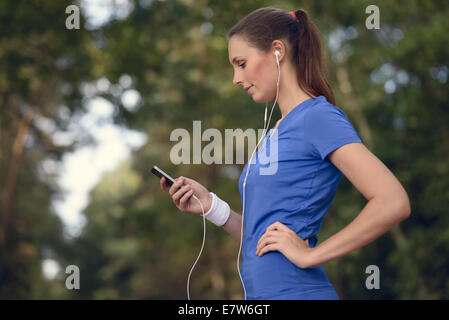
85 113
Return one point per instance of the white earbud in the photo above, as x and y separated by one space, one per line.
277 53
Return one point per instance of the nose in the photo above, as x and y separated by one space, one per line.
236 80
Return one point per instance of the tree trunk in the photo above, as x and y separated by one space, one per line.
13 174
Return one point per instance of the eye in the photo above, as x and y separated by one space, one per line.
242 65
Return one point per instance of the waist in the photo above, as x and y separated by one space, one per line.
273 274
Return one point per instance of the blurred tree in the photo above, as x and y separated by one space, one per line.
391 82
42 65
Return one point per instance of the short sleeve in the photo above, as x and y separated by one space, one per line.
327 128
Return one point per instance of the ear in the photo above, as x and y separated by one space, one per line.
278 45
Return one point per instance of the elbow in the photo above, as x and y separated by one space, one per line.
401 204
399 208
404 209
408 210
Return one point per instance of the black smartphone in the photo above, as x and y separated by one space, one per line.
159 173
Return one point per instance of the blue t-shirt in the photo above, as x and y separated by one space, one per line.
297 191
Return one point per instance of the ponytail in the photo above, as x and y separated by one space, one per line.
309 70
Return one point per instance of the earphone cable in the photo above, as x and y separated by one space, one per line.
266 125
246 176
202 246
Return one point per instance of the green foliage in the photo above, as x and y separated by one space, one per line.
392 84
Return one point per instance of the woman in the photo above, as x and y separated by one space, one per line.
282 212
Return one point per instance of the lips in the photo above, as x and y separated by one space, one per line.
247 88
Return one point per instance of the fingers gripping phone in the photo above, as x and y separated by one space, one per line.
159 173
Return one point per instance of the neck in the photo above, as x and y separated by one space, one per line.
290 94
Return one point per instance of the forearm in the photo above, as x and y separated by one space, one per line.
233 225
377 217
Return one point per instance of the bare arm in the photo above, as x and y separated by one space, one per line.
377 217
388 203
233 225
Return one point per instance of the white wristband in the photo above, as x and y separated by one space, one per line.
219 211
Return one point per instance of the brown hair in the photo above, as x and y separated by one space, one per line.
262 26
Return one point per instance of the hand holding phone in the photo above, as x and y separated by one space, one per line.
181 191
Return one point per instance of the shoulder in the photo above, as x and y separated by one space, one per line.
327 128
323 116
323 110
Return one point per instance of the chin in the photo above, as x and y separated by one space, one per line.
259 99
